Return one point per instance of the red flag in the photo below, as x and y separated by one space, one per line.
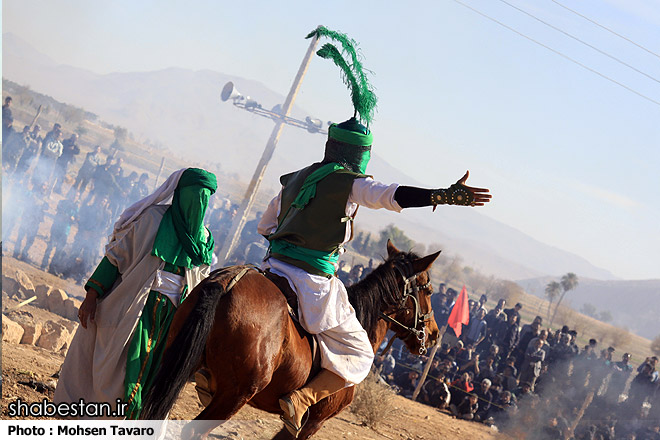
460 314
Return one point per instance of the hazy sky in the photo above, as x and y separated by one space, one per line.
572 158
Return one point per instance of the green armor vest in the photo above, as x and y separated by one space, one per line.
321 225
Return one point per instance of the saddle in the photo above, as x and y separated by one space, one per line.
290 296
202 376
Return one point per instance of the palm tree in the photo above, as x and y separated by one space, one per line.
552 290
568 282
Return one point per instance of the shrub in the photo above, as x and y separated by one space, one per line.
619 337
655 346
373 401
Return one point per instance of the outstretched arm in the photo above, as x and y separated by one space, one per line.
457 194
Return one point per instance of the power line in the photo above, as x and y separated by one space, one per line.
560 54
579 40
606 28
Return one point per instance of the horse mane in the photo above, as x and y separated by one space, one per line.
376 292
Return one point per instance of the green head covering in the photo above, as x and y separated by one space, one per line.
182 239
349 144
352 133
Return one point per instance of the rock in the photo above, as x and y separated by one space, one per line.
53 336
17 284
56 301
31 328
71 306
42 291
25 286
11 331
71 327
9 286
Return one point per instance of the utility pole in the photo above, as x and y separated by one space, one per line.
251 192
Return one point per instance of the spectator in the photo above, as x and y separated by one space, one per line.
621 372
13 148
250 234
531 367
69 150
435 392
102 184
407 382
464 355
84 177
65 216
467 408
644 384
503 408
56 131
29 153
7 119
387 364
476 329
33 215
224 226
523 391
93 224
445 307
494 320
487 369
461 387
472 366
355 275
508 335
514 311
370 268
560 356
51 151
485 400
509 381
527 333
480 305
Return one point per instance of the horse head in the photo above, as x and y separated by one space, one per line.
411 318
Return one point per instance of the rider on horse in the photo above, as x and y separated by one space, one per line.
311 220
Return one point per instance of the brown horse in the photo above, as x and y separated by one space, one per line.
241 332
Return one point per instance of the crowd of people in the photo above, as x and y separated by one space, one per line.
41 179
46 175
529 380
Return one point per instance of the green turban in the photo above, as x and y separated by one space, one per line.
349 144
182 239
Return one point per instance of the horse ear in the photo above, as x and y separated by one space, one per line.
391 249
425 263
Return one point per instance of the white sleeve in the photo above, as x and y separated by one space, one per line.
268 222
374 195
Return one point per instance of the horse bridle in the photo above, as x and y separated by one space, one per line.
411 291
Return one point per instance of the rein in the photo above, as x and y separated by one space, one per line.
411 291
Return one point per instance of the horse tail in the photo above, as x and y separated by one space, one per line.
182 357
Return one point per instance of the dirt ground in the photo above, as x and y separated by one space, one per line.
25 363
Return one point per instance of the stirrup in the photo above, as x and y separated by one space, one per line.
286 405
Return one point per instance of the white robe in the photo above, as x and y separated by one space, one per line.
323 305
95 365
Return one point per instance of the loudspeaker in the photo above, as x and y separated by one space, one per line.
229 91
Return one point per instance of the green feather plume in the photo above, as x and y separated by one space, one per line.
353 74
